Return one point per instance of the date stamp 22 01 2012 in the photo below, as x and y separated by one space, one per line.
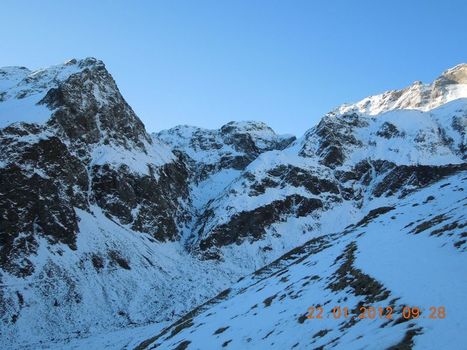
372 312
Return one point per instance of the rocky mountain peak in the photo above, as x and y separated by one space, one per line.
455 75
451 85
79 97
88 107
85 62
20 82
253 137
251 127
233 146
377 121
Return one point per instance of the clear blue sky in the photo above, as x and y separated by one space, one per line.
205 63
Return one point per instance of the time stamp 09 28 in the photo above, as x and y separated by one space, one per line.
376 312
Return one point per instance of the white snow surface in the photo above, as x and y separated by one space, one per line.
421 140
157 154
21 90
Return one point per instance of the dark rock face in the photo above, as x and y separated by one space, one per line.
32 206
253 224
374 213
148 203
299 177
388 131
94 112
40 187
407 179
288 175
336 135
458 125
390 179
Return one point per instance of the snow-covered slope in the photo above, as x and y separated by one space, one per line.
408 252
106 229
113 278
21 90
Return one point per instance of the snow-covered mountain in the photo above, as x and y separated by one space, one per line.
110 234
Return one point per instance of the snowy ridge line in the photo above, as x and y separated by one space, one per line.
449 86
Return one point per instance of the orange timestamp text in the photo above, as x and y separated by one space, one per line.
373 312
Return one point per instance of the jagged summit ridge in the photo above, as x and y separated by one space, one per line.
449 86
455 75
20 82
233 146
